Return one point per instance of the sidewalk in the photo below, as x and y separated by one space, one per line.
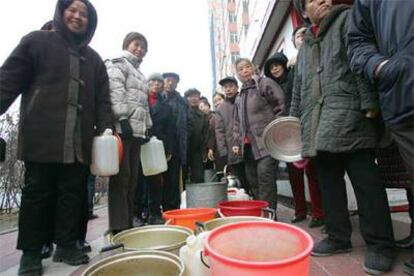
344 264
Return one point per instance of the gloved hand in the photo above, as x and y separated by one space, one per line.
126 130
149 133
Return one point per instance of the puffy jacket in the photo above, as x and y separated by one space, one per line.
129 93
64 88
384 30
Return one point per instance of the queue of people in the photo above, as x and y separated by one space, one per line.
344 84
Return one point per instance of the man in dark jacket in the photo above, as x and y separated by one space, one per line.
381 47
65 95
197 138
179 110
334 106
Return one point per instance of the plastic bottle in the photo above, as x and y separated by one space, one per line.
190 255
237 194
105 158
153 157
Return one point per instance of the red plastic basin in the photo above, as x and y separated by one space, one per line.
242 208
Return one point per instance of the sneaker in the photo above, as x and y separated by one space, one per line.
409 267
155 220
376 263
328 247
31 263
297 219
138 222
316 222
47 250
70 255
406 243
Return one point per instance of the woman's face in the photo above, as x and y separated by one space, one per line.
204 108
277 70
217 101
244 70
75 17
138 48
155 86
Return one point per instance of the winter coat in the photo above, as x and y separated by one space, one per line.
224 125
258 103
181 121
64 88
163 124
328 98
198 136
384 30
129 93
211 141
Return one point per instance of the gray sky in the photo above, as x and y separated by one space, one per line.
177 33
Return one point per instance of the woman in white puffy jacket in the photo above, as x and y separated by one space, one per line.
129 97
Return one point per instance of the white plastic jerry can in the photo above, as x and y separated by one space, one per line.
192 256
105 158
153 157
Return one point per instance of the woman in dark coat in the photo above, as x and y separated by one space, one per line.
64 88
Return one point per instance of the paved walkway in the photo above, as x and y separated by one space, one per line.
344 264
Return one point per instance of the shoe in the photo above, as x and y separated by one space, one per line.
47 250
376 263
409 267
92 216
70 256
31 263
155 220
138 222
323 230
316 222
406 243
298 219
328 247
84 246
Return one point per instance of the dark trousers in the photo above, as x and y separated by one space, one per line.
403 135
194 171
149 194
239 170
261 175
52 204
171 197
297 182
373 209
87 207
122 188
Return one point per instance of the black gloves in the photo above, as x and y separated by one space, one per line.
2 150
126 130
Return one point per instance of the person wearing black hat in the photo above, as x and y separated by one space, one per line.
197 138
180 114
66 98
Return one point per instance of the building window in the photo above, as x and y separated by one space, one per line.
232 18
230 1
246 6
234 57
234 38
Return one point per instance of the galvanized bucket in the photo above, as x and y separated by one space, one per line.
205 194
214 223
138 263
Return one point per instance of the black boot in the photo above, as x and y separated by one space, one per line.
31 263
84 246
70 255
47 250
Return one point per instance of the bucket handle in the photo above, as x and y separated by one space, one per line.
202 259
200 226
169 222
111 247
221 215
269 213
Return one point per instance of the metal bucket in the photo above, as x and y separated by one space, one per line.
205 194
214 223
138 263
158 237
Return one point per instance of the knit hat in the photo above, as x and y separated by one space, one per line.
131 37
278 58
156 76
228 79
171 74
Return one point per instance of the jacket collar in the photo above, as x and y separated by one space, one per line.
131 58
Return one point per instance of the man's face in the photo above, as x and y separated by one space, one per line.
75 17
230 89
299 35
155 86
245 71
138 48
170 84
277 70
193 100
316 10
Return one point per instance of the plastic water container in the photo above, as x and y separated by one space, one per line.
105 157
190 254
153 157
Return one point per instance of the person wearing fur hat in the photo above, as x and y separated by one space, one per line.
129 97
338 111
66 98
